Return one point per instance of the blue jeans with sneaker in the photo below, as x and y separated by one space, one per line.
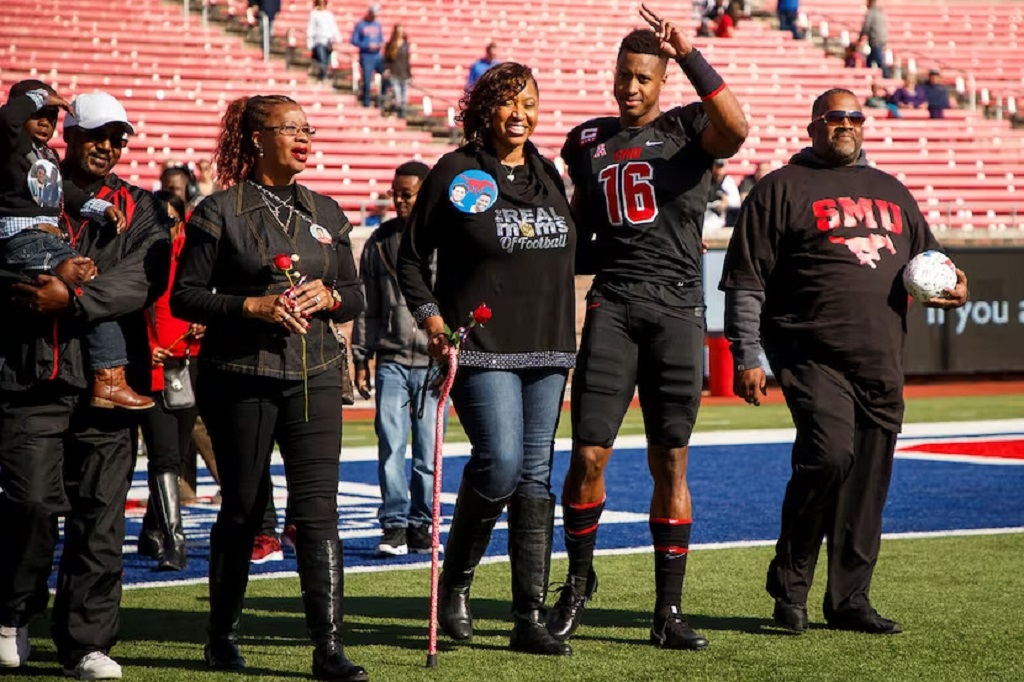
34 252
370 63
510 417
399 392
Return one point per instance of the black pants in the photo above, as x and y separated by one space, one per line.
842 463
168 433
58 457
245 416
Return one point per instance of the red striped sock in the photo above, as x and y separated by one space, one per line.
580 522
671 546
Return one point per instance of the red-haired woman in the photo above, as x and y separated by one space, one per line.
253 389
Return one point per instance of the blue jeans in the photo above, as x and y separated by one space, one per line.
369 64
510 418
876 57
322 57
398 402
400 88
35 251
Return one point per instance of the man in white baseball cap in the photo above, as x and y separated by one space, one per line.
45 408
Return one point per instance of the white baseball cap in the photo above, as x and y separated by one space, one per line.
95 110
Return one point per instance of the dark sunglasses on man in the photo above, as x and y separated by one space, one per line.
838 117
118 137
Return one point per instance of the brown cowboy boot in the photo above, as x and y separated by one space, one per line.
110 390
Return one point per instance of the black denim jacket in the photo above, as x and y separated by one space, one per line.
230 244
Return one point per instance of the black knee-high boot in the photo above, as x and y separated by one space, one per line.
321 575
530 525
164 498
472 524
229 576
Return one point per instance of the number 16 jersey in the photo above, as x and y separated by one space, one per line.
640 199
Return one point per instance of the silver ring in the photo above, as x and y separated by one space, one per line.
285 316
317 299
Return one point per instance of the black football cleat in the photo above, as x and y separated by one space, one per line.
792 617
671 631
567 613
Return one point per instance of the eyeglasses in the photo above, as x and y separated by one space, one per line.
118 139
293 130
404 196
837 117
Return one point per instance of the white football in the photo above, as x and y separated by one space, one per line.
928 275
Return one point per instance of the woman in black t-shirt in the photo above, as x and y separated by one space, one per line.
495 212
270 363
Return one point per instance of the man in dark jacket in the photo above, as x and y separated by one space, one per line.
813 271
58 457
388 331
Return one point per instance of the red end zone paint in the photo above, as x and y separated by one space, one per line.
1002 449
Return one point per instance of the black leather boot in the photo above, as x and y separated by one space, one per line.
472 524
151 541
229 576
530 524
164 499
322 578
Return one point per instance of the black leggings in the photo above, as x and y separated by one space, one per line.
168 433
245 416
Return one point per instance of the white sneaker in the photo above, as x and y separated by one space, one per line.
95 665
14 647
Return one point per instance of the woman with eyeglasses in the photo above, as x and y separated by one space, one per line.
267 265
167 428
495 213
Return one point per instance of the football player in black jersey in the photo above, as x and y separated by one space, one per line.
642 182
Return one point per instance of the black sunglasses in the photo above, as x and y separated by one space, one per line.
837 116
117 137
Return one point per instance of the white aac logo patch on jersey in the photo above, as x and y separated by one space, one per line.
588 135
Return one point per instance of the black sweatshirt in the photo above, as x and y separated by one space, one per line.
507 243
230 244
827 246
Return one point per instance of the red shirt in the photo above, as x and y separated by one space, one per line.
164 329
725 24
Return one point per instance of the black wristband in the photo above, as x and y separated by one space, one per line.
702 75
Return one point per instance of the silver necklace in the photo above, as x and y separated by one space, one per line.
511 172
275 204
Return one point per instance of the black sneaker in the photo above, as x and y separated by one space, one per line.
392 543
671 631
419 538
567 613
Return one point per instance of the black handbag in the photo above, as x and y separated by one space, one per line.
178 391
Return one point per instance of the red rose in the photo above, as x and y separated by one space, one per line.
482 314
283 261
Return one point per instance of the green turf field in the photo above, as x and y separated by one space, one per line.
959 599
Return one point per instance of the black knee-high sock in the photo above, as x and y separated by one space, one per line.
671 546
581 522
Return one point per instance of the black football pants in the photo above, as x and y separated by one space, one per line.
58 457
841 466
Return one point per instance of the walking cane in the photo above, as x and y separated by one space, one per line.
435 531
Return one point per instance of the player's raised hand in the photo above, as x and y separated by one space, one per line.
673 42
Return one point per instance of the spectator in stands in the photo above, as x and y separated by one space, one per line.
261 383
723 198
321 35
909 95
748 182
728 22
269 10
511 379
936 94
368 36
853 57
388 332
167 428
875 33
206 184
397 69
713 11
58 457
480 66
880 99
787 11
